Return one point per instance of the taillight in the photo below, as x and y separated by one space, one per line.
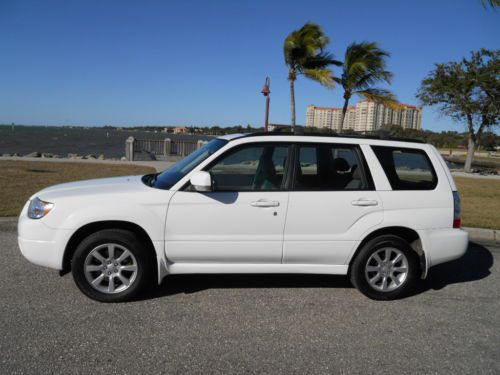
457 221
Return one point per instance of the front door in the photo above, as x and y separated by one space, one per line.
242 219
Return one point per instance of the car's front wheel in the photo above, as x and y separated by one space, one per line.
111 265
385 268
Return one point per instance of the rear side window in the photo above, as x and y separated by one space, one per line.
406 168
330 167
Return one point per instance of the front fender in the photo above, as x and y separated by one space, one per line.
151 219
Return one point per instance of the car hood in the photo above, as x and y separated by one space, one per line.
101 186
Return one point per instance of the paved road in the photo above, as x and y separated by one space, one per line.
251 324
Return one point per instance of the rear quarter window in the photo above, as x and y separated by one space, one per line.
406 168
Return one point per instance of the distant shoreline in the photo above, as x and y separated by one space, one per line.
82 141
109 127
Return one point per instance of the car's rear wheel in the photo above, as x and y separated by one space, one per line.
385 268
111 266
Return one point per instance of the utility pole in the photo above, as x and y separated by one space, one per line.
266 92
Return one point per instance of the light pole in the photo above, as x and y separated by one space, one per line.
266 91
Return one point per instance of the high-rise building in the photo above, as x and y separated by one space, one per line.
365 116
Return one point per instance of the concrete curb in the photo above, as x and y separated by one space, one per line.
483 235
8 219
474 175
8 224
475 234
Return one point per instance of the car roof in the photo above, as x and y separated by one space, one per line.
229 137
374 136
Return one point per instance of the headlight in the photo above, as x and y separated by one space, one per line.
38 208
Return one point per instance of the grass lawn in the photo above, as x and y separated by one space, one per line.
20 179
480 200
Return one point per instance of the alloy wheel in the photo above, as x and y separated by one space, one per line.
386 269
110 268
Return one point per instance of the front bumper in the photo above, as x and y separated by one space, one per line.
42 253
41 244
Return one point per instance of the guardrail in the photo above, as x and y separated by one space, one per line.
158 149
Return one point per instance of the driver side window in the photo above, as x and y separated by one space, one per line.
251 168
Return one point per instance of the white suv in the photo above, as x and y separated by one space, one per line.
380 211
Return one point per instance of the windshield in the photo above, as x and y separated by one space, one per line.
169 177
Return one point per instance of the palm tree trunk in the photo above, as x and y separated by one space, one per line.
344 111
292 100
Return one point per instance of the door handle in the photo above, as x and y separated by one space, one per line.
364 202
263 203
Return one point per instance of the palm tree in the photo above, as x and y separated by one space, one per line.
364 65
304 54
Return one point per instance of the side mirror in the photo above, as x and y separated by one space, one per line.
201 181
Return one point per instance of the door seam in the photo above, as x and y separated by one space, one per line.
284 228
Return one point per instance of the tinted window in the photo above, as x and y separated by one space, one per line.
250 168
308 161
330 167
406 169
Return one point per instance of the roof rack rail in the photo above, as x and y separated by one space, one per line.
382 135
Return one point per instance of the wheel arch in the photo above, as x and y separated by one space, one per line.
93 227
409 235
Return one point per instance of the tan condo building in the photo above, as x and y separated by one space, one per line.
365 116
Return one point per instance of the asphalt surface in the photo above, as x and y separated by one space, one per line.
251 324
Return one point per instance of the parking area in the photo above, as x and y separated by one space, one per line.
251 323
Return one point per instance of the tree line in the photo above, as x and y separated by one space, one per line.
488 140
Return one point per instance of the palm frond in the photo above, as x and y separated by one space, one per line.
323 76
371 78
491 3
304 52
336 62
337 80
365 66
321 60
306 42
380 96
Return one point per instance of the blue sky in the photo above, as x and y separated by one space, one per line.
204 62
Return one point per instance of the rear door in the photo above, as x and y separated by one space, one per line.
420 195
331 202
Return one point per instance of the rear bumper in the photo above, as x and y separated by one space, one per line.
443 245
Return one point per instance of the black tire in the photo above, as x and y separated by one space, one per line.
360 279
124 239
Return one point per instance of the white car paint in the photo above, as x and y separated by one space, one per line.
289 232
77 204
226 227
336 228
